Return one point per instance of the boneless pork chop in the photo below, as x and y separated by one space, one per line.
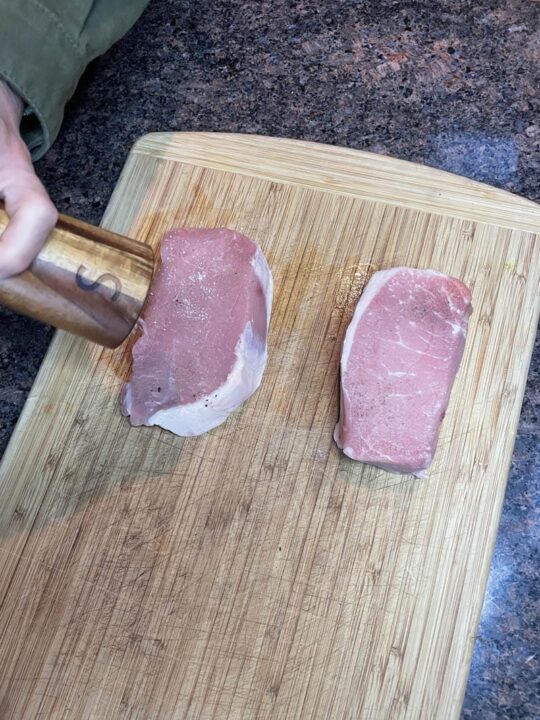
401 354
203 347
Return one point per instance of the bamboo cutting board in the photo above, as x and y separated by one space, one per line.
255 572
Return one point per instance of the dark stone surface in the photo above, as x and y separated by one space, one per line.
453 83
504 681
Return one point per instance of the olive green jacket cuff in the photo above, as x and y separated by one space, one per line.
45 46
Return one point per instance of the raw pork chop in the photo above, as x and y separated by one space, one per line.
203 347
401 354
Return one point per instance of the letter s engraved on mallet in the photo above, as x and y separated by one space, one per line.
95 284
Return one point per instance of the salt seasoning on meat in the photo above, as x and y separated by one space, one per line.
203 347
400 356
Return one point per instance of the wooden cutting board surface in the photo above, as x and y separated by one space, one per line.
255 572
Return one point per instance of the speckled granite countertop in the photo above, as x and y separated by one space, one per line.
449 83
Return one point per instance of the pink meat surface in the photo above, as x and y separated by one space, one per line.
400 356
203 347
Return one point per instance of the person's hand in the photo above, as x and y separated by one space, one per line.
31 213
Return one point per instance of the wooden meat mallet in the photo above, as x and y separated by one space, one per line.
86 280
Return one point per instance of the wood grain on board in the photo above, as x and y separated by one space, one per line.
255 572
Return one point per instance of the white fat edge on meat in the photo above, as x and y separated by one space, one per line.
210 411
125 403
264 276
245 377
337 433
341 420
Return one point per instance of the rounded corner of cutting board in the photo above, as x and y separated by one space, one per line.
151 140
346 171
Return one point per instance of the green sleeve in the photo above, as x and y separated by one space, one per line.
45 45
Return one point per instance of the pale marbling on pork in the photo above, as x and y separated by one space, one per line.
400 356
